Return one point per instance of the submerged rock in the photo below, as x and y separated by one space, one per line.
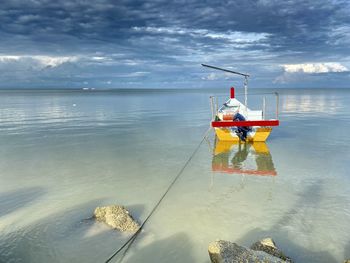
269 246
228 252
117 217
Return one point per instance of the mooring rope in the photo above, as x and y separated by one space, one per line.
133 237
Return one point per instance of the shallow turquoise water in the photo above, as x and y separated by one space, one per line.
64 153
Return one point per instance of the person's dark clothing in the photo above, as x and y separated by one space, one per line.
242 130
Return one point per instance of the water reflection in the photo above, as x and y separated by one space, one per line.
249 158
323 103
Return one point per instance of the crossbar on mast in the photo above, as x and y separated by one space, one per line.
226 70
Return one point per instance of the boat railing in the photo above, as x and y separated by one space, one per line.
215 101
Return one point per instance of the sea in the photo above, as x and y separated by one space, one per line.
65 152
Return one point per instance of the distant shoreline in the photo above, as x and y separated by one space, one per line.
143 90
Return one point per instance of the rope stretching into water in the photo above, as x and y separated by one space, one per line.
133 237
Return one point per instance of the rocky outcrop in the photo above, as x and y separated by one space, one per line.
116 217
269 246
228 252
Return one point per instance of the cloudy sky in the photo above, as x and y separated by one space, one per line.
161 44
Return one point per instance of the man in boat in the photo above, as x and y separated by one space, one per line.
242 131
230 111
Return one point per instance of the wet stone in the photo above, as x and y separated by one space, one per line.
117 217
227 252
269 246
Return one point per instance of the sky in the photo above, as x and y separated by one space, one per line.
161 44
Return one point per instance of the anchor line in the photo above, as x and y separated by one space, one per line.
134 236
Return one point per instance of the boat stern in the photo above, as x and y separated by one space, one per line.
258 134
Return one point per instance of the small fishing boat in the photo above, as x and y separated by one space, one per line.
252 122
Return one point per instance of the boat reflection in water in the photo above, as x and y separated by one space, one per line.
248 158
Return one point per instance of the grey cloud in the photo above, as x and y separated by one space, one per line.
170 39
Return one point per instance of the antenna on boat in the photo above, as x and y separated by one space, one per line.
237 73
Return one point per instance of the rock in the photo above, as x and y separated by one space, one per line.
269 246
117 217
347 261
227 252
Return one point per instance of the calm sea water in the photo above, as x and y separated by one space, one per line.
64 153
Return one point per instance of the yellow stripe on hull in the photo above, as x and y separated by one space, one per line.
257 135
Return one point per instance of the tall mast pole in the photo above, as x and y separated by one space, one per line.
246 91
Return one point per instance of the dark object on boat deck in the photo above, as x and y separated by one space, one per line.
241 136
242 131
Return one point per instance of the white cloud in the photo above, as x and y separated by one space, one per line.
43 61
217 76
132 74
310 68
99 58
211 76
9 58
54 61
232 36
